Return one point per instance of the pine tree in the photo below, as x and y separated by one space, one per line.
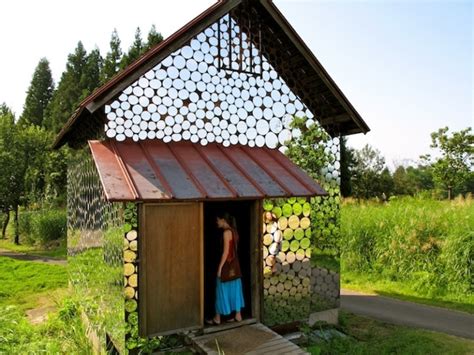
69 92
153 38
134 51
38 95
90 77
112 59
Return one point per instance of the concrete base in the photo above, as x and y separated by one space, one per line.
330 316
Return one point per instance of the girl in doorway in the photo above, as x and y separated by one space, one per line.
229 295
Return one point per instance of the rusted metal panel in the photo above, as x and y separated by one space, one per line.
112 178
299 173
198 168
153 170
229 172
137 166
278 172
255 172
181 184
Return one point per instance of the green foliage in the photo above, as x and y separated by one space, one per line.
50 225
21 278
38 95
79 80
367 336
347 165
41 227
62 333
454 166
153 38
307 149
11 178
426 242
370 177
112 59
135 50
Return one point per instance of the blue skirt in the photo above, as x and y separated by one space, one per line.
229 296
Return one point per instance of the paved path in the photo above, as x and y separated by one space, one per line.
409 313
27 257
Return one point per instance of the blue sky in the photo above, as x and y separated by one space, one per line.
407 66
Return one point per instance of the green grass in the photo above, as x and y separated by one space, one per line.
406 291
20 279
367 336
27 285
410 248
57 251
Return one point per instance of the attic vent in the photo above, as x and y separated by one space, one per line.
240 44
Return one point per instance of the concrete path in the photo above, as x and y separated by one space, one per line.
27 257
408 313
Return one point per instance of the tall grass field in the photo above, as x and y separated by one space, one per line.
417 247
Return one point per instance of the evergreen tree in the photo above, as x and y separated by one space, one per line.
347 164
38 95
90 78
153 39
134 51
112 59
69 92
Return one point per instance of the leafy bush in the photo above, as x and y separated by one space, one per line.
25 225
42 227
425 242
50 225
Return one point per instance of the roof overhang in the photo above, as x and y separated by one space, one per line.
156 171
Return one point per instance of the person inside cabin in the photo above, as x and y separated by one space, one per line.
229 295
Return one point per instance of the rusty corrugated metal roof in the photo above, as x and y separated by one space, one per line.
153 170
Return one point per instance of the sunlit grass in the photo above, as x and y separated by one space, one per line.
412 248
367 336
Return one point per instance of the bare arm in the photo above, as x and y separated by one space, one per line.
225 252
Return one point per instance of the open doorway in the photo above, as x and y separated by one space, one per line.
243 211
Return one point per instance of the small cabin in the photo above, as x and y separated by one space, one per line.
197 125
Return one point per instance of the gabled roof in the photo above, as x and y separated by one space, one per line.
152 170
284 49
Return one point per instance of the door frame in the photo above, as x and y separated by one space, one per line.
256 259
256 263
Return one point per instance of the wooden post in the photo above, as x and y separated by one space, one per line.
17 232
5 223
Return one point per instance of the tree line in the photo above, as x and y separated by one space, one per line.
33 175
364 173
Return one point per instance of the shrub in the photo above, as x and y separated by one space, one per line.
42 227
25 226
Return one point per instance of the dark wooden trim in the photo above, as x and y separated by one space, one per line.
258 262
142 325
201 251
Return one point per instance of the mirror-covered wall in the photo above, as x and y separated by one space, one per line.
95 252
220 88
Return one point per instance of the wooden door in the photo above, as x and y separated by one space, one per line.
171 272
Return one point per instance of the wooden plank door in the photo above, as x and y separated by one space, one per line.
171 268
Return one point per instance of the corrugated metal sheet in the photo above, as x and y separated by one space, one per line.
153 171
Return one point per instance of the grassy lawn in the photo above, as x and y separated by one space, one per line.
407 291
30 285
24 281
56 251
367 336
